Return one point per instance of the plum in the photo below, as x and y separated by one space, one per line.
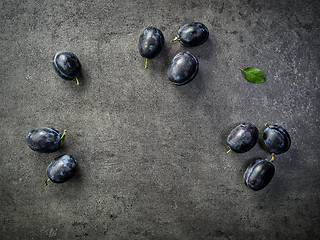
151 42
45 139
61 169
276 139
243 137
259 174
183 68
67 65
192 34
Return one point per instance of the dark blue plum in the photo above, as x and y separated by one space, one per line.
243 137
193 34
276 139
45 139
66 65
151 42
258 174
183 68
62 168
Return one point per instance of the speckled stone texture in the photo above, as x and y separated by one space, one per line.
152 162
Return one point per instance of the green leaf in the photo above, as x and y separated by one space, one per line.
253 75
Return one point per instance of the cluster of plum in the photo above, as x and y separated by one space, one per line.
183 69
184 66
260 171
47 140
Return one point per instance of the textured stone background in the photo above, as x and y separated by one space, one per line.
152 155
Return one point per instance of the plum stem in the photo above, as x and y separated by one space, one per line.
76 80
240 69
176 39
272 158
229 151
267 125
46 182
146 65
63 137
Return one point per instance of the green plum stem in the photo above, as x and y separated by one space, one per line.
76 80
229 151
272 158
240 69
146 65
63 137
46 182
176 39
267 125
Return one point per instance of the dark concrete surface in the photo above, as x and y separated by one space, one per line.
152 155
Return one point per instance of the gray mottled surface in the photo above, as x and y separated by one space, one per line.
152 155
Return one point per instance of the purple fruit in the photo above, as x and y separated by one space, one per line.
192 34
183 68
67 65
259 174
45 139
276 139
62 168
243 137
151 42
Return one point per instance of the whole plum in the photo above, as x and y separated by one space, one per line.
243 137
